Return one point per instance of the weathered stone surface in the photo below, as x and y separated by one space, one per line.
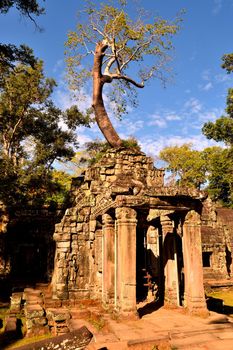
34 311
77 339
58 315
11 324
121 183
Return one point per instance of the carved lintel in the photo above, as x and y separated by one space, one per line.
131 201
126 214
107 220
192 218
102 208
155 213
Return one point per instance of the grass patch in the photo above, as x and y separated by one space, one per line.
226 296
97 322
221 301
3 312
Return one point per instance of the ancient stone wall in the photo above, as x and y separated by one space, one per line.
26 246
118 217
78 267
217 241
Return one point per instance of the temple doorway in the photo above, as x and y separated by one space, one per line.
149 271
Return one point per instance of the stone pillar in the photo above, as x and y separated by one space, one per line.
126 261
108 260
171 287
194 296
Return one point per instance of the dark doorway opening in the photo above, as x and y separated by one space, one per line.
206 258
141 258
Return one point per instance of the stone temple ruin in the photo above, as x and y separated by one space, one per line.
128 238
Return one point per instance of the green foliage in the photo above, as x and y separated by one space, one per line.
94 150
31 138
228 62
142 43
212 168
59 189
222 128
9 53
221 171
220 174
186 164
131 143
25 7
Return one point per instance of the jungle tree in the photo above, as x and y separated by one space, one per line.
222 131
31 132
120 46
9 53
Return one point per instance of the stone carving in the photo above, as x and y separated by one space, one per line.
155 213
73 269
126 214
192 218
118 198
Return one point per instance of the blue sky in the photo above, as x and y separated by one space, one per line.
164 117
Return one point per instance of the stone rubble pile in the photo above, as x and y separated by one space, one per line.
39 319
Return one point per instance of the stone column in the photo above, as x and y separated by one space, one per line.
108 260
126 261
171 287
194 296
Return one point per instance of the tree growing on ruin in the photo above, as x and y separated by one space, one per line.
127 52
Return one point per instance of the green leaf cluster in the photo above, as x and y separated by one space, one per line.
222 128
94 150
221 178
140 45
211 168
34 133
25 7
186 164
220 174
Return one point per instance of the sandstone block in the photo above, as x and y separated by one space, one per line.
58 315
34 311
63 245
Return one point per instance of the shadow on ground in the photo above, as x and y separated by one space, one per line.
10 337
217 305
149 308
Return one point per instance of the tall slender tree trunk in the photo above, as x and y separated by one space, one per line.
101 115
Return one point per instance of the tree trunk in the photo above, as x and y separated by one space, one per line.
101 115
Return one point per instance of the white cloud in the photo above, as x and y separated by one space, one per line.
58 65
64 99
222 78
152 147
217 6
157 120
83 138
194 105
207 86
132 126
171 117
206 75
210 115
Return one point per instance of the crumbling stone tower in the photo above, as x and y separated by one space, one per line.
127 233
